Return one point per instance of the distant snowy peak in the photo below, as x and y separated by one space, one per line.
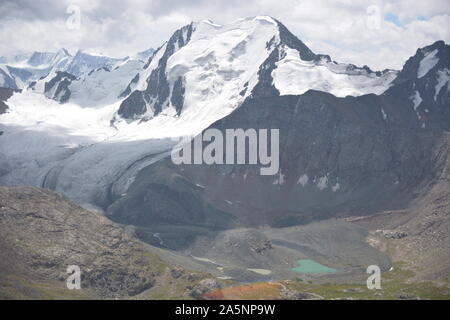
426 62
99 87
428 72
46 59
23 69
62 60
84 62
143 55
40 60
425 82
20 71
104 86
210 69
11 60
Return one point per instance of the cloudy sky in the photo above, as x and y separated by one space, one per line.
381 34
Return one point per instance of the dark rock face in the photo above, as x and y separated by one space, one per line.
62 91
338 156
434 105
5 94
293 42
158 89
134 106
42 231
265 87
177 98
60 75
32 85
127 91
60 84
156 95
3 107
342 145
410 69
167 198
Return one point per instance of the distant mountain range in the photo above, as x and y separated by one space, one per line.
19 71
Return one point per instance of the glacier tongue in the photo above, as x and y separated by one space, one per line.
72 149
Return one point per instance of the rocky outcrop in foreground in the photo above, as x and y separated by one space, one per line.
41 234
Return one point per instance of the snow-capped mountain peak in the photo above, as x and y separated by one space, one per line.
40 58
425 62
203 67
210 69
83 62
425 80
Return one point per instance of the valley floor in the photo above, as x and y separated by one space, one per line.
37 233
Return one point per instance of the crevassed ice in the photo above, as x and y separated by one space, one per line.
416 100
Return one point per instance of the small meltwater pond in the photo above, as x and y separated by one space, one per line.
308 266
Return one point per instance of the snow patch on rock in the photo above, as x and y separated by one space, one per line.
443 78
427 63
322 183
303 180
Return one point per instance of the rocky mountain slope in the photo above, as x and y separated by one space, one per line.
41 234
100 87
19 71
419 233
337 156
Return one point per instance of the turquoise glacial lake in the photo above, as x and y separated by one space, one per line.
311 267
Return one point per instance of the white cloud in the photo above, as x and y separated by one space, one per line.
349 31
